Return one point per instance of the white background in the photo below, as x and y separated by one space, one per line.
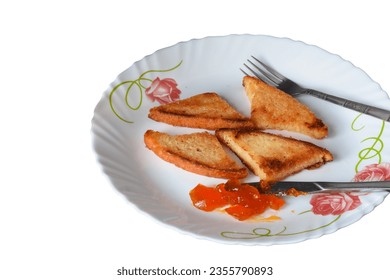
60 218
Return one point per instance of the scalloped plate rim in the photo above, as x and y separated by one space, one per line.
225 241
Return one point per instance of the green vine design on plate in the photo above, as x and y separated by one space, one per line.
375 147
139 85
261 232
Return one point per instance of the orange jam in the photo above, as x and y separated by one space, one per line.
295 192
242 201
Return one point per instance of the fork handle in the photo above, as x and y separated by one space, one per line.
359 107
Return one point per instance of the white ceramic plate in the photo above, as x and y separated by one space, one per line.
212 64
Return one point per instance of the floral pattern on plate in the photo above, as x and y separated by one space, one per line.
161 90
161 191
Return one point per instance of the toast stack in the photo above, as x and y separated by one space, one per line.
269 156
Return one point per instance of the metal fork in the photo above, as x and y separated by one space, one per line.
274 78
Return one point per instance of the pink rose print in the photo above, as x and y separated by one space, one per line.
338 203
164 91
374 172
334 203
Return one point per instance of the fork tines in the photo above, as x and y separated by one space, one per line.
264 72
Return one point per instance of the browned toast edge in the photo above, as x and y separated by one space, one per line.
326 157
191 165
191 120
313 127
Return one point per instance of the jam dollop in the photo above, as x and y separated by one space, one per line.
242 201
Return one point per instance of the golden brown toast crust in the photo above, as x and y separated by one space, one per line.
200 153
207 110
273 157
272 108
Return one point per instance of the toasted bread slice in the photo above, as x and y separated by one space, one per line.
207 110
199 153
272 108
273 157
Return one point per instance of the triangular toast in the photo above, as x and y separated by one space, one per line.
199 153
273 157
272 108
207 110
